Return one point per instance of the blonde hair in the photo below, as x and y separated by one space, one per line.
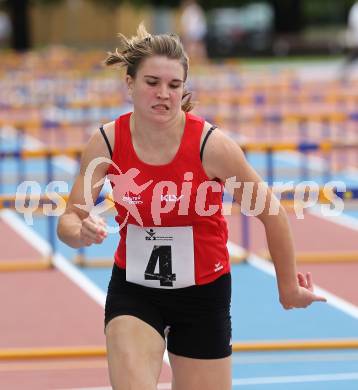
133 51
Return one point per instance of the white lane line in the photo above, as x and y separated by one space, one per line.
60 262
338 377
268 268
65 266
264 358
26 233
346 376
342 220
97 294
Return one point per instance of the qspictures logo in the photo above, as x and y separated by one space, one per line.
166 195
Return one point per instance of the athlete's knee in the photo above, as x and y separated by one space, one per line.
131 368
133 357
130 382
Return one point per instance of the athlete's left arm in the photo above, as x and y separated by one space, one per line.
224 159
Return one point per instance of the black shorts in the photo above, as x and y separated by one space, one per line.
198 317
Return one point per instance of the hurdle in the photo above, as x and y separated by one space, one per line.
320 257
39 201
290 345
237 346
9 201
26 265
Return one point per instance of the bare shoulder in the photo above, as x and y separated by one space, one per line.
218 139
221 153
97 147
97 143
109 129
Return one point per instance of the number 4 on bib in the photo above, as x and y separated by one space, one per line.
162 259
163 253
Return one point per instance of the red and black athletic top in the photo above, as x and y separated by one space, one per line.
184 184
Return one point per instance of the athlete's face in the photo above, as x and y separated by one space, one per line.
157 89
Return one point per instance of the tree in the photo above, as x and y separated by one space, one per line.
288 15
19 15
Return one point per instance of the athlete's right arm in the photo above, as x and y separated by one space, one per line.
76 226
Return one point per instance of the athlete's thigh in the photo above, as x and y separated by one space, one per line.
200 374
135 353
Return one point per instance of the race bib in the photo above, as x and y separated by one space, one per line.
160 257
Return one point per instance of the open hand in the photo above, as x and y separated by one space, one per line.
303 295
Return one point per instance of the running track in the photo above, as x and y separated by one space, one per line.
47 309
64 307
